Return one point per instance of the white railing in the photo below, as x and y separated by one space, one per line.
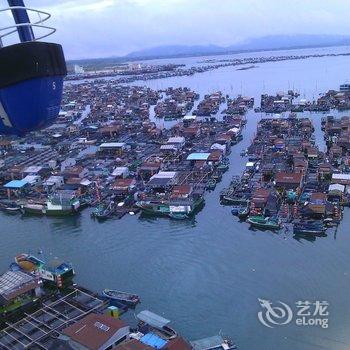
38 24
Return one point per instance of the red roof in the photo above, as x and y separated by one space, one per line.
124 183
178 344
215 155
133 345
94 330
182 189
288 178
260 195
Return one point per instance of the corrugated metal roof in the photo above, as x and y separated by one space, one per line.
198 156
15 184
153 340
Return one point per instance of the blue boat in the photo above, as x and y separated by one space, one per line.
236 209
126 298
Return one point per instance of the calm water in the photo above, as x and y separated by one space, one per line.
206 275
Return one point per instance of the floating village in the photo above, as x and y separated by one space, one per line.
128 73
119 149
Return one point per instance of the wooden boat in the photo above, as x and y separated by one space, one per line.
102 212
216 342
211 184
10 208
123 297
217 176
157 323
309 227
33 208
244 212
263 223
190 207
235 210
234 200
223 166
178 216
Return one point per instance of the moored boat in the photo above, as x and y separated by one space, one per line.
178 216
244 212
33 209
263 223
62 204
309 227
235 210
10 208
211 184
216 342
172 208
126 298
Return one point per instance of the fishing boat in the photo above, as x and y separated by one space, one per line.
10 208
211 184
126 298
217 176
216 342
178 215
157 208
62 203
263 223
243 212
170 208
235 210
101 212
224 165
231 199
33 209
309 227
156 323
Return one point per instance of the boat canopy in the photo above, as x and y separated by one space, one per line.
207 343
153 319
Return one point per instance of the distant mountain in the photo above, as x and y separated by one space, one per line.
175 50
272 42
290 41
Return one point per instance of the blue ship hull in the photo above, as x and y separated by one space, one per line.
30 105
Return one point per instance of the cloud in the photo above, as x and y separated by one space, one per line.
88 28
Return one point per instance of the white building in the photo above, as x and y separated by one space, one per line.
78 69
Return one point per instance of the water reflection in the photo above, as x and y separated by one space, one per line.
309 237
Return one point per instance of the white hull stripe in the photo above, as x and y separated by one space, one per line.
4 117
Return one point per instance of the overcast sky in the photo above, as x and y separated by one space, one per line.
103 28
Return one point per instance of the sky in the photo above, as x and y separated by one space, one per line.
105 28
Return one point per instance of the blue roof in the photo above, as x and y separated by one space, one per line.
153 340
198 156
16 184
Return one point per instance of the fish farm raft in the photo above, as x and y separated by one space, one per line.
41 308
